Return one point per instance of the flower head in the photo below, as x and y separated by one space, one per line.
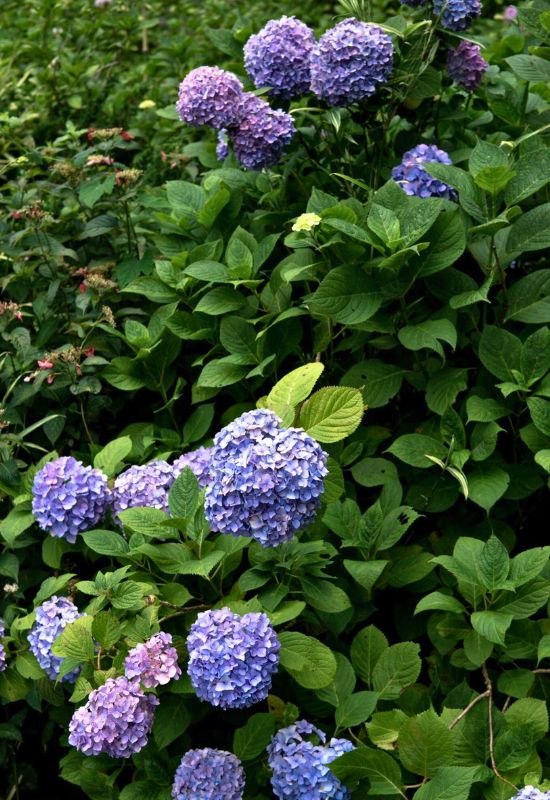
278 57
210 96
3 664
457 15
414 180
266 481
116 720
153 663
530 793
306 222
222 148
232 659
51 618
350 62
198 462
262 133
146 485
300 767
208 774
69 498
510 13
466 65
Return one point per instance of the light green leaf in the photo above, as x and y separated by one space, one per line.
307 660
425 743
437 601
427 335
355 709
413 449
107 543
492 625
293 388
487 483
332 413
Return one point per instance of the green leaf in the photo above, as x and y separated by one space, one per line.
366 573
516 682
532 173
384 727
500 352
355 709
486 155
513 747
543 650
332 413
347 295
479 409
398 667
325 596
92 190
366 649
448 783
413 449
494 564
492 625
527 599
106 629
539 408
75 641
487 483
293 389
443 388
427 335
437 601
239 337
172 718
147 521
380 769
307 660
529 711
250 741
109 459
374 471
447 238
528 565
28 667
531 231
378 381
128 595
107 543
220 300
477 648
51 586
425 743
185 198
183 498
530 68
221 372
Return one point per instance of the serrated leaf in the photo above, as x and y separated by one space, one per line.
398 667
308 661
425 744
332 413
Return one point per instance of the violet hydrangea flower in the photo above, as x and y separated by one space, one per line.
69 498
300 768
413 178
222 148
210 96
198 462
116 720
232 659
51 619
266 481
350 62
208 774
466 65
457 15
262 133
278 57
153 663
530 793
3 663
146 485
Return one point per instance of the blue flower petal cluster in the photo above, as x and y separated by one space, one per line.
232 658
299 766
222 148
210 96
414 179
266 481
278 57
51 618
146 485
457 15
116 720
198 462
153 663
208 774
466 66
69 498
3 663
350 62
530 793
262 134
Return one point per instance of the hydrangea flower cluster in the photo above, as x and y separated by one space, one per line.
530 793
232 659
153 663
222 148
350 62
414 180
265 480
457 15
198 462
210 96
145 485
262 134
69 498
300 767
466 65
208 774
278 57
51 618
116 720
3 664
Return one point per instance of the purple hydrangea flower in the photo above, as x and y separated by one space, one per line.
530 793
210 96
350 62
51 618
466 65
278 57
154 663
3 664
116 720
208 774
147 485
414 180
232 659
222 148
266 481
69 498
262 134
300 767
457 15
198 462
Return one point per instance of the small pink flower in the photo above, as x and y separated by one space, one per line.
50 379
18 315
45 364
510 13
89 352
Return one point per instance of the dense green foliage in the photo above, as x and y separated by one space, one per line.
169 293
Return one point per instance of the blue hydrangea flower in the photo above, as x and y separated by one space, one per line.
146 485
350 62
210 96
69 498
198 462
116 720
262 133
153 663
466 66
266 481
222 148
414 180
299 767
530 793
208 774
278 57
51 618
3 663
457 15
232 659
